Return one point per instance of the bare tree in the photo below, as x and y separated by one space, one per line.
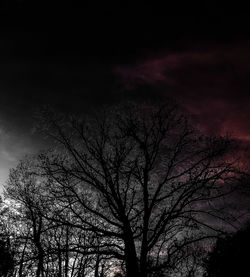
6 248
42 245
140 178
22 188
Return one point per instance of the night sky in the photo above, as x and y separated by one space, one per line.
76 57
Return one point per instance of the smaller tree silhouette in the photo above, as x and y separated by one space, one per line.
6 249
6 258
230 256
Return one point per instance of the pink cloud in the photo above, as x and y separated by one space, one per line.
212 84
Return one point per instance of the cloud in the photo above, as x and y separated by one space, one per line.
212 84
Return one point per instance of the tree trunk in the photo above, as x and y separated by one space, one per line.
130 254
143 265
67 252
144 251
20 271
39 272
40 265
59 255
97 266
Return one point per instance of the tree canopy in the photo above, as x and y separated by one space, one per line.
133 185
230 256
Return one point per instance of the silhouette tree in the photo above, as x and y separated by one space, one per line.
6 247
6 259
42 247
230 255
141 179
6 256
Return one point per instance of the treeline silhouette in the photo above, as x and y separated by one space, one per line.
133 190
230 255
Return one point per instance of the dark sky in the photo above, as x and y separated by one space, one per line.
74 57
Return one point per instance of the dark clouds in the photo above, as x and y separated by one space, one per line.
211 82
74 58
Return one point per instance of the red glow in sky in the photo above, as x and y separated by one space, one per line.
212 84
